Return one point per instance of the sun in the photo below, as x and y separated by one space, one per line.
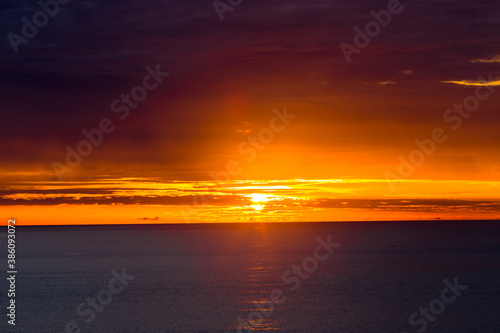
257 197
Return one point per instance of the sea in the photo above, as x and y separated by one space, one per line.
336 277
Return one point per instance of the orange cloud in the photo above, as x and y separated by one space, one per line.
492 60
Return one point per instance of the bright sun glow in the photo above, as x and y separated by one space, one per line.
257 207
257 197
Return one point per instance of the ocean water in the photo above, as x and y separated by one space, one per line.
215 277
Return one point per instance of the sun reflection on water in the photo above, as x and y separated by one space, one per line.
256 308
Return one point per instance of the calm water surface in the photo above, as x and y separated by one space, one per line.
202 278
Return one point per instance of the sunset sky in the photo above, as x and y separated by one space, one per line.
222 108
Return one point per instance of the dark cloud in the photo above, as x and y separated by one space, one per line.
264 54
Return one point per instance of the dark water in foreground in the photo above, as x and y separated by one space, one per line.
202 278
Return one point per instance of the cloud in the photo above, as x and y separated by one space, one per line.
261 56
385 83
492 60
149 219
475 83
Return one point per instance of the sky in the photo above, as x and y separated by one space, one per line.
161 112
